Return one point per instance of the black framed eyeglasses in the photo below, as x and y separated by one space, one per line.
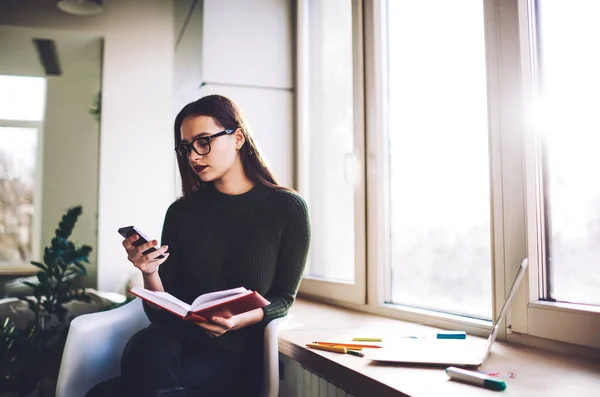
200 145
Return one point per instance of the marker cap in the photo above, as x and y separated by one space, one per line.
452 335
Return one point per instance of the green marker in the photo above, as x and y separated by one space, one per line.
475 378
367 339
355 353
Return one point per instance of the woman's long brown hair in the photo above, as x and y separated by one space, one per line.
226 114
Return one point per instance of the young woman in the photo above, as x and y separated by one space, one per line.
234 226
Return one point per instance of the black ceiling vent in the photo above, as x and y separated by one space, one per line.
46 49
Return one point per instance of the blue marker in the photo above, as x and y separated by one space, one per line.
475 378
452 335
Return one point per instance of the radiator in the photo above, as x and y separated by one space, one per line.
298 381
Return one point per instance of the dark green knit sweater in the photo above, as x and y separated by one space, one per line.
258 240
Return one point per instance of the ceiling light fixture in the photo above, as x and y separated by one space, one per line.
80 7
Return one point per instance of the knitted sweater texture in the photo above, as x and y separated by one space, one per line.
258 240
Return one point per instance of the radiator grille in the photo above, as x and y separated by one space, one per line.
299 381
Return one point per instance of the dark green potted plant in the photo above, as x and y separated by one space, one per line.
30 355
9 339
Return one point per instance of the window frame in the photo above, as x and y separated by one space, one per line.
516 215
378 198
26 268
560 321
321 288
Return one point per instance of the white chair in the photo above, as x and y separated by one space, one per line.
96 341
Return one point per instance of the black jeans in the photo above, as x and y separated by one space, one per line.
158 359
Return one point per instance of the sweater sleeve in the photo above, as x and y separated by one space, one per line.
293 250
168 270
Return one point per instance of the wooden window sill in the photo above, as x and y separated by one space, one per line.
537 372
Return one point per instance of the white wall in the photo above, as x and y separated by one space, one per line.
270 114
248 42
188 52
137 157
247 56
71 140
136 154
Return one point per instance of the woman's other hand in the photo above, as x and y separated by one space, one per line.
148 263
217 326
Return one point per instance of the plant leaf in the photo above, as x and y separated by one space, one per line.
30 284
82 269
39 265
42 277
68 276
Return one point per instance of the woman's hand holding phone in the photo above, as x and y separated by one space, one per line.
147 262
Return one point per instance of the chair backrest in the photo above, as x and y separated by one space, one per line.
271 359
85 364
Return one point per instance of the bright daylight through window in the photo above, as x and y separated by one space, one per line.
330 139
21 100
568 123
439 157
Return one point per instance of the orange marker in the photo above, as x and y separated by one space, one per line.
349 345
335 349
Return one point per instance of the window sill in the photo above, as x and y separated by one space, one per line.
564 322
410 315
485 325
17 269
310 321
564 306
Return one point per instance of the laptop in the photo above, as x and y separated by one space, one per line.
460 353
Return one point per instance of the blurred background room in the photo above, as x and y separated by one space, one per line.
87 103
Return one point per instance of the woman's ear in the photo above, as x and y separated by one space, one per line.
240 138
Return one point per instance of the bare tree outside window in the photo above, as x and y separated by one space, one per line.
22 103
17 185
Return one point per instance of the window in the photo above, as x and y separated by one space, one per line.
331 142
439 186
479 146
21 110
22 98
331 146
17 177
569 83
560 85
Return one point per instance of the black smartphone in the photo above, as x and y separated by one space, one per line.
127 231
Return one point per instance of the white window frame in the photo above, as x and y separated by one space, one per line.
513 183
26 268
566 322
343 291
378 195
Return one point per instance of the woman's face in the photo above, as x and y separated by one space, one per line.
223 149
